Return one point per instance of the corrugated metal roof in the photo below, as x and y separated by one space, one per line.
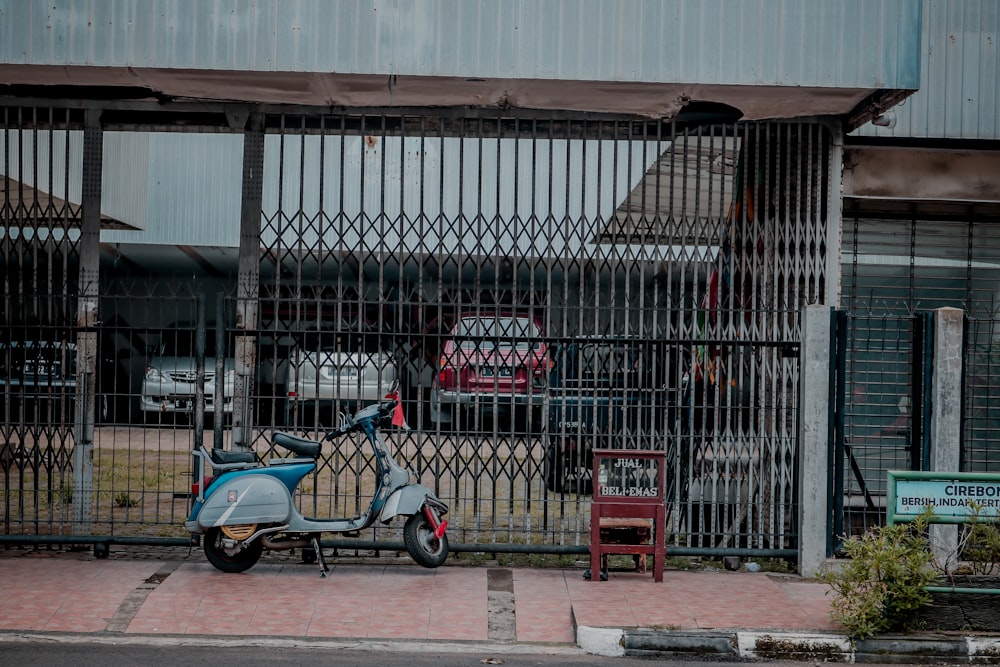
850 43
959 96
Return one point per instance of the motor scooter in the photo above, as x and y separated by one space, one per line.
245 506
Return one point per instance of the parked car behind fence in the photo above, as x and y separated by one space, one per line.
608 393
38 380
491 362
169 384
336 372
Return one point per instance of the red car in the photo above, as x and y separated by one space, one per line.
493 362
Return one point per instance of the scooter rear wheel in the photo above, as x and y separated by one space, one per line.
238 559
421 544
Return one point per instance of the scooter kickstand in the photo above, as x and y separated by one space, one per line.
323 569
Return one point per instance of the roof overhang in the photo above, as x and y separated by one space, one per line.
665 101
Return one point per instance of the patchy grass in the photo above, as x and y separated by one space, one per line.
142 484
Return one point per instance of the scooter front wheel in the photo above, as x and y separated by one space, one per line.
228 555
421 544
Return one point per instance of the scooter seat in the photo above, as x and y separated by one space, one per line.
223 456
297 445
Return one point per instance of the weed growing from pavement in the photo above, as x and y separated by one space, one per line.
978 551
123 499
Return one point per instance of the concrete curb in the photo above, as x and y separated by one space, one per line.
784 645
601 641
237 641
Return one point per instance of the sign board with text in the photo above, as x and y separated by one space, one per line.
628 475
628 484
953 497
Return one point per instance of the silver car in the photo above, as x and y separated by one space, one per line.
169 384
337 372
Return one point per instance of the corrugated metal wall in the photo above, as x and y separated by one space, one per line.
125 178
498 178
174 188
959 96
184 188
852 43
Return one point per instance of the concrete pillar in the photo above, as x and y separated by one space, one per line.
815 404
87 321
248 284
945 421
834 222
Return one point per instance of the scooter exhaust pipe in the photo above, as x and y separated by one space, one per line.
284 544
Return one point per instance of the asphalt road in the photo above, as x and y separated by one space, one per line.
68 654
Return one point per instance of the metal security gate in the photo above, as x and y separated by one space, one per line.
896 270
882 371
79 460
382 235
374 247
39 346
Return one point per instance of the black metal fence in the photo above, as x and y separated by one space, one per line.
880 378
896 271
459 256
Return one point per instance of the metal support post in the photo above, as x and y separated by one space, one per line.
248 283
87 321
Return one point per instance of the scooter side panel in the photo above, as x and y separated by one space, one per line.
246 499
406 500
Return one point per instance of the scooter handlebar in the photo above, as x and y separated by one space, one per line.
377 411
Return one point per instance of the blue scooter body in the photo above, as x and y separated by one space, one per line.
249 507
256 495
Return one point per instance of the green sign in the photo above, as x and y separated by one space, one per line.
953 497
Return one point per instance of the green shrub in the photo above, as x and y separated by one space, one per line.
882 584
